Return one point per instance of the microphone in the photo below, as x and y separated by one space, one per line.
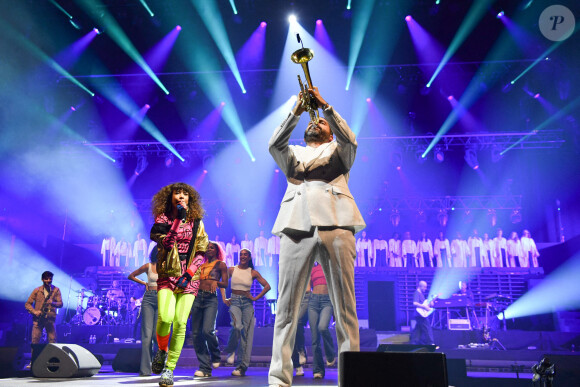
182 212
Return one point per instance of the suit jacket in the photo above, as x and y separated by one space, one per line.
317 192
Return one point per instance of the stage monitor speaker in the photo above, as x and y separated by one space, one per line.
127 360
65 361
406 348
392 369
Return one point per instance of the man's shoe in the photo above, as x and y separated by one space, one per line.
202 374
318 375
166 378
331 363
302 358
158 362
215 364
231 357
299 371
238 372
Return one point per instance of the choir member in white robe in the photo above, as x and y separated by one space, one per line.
442 251
529 249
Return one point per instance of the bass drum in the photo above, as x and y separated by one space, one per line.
91 316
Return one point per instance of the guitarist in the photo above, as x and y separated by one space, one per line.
46 299
422 332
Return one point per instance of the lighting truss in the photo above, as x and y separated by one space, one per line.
457 203
138 148
544 139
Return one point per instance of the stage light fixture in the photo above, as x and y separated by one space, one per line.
471 158
438 155
500 14
292 19
395 217
516 216
425 90
169 160
492 216
142 164
443 217
496 154
397 159
421 216
119 161
420 156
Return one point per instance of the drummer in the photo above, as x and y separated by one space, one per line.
115 295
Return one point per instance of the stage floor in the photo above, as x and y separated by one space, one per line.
256 377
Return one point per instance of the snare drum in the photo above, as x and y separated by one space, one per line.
92 316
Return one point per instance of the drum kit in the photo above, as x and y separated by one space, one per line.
109 307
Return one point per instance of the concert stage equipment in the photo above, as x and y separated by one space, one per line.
393 369
65 361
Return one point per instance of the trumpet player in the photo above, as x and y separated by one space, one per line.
317 221
46 299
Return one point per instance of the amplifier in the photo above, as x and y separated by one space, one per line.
459 324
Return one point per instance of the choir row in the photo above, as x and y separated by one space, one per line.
473 252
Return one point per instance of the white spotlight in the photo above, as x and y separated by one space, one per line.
292 19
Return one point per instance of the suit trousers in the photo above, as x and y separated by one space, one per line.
334 249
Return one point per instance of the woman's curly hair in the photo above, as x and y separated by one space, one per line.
161 202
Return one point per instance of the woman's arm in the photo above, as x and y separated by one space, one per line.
266 286
139 271
224 275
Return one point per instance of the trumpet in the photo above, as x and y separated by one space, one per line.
302 57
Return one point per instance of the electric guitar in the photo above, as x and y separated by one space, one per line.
426 313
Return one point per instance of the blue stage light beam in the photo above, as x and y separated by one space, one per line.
492 63
558 292
229 174
22 41
111 90
25 267
99 13
233 5
144 4
214 23
553 118
446 281
476 12
201 60
360 21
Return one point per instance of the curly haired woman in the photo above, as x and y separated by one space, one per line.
178 229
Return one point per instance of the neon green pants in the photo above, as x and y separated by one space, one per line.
173 308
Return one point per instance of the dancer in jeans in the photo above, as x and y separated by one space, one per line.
241 306
299 353
182 242
148 311
205 307
319 313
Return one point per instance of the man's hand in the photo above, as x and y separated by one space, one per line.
320 102
37 313
298 108
228 302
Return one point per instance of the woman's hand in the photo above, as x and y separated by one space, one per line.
228 302
213 286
